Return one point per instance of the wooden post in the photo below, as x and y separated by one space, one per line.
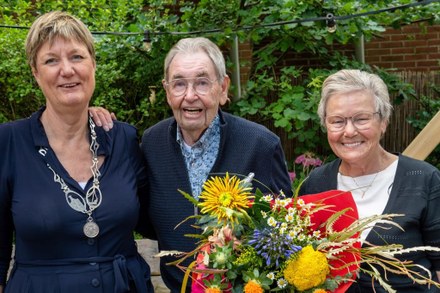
426 141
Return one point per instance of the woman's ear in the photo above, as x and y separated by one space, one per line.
383 128
36 74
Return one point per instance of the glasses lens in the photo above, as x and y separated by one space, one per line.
335 123
362 120
202 85
178 86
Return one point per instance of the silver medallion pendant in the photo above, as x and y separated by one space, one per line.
77 201
91 229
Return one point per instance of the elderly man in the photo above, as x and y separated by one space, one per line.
199 141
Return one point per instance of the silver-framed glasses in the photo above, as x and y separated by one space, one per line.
200 85
360 120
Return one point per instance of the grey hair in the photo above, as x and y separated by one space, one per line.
349 80
55 24
192 45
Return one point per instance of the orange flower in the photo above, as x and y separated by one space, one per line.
320 291
253 287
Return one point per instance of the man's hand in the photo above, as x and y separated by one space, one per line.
102 117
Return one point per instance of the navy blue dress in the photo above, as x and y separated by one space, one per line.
52 253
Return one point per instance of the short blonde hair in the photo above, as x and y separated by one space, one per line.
51 25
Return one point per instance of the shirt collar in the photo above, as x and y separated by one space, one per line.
206 137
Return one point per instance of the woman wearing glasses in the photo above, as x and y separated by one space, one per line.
355 110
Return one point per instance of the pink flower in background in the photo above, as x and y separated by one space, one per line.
292 176
302 166
308 160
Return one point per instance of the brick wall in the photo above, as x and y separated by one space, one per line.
410 48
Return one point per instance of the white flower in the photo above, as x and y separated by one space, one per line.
297 230
291 211
266 198
271 276
284 202
289 218
278 203
292 234
272 222
281 283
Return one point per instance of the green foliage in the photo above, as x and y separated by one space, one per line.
128 78
18 91
294 109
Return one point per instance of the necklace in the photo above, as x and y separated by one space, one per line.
80 203
367 186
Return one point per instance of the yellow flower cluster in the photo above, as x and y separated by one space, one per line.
309 269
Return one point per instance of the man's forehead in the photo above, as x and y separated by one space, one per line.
186 65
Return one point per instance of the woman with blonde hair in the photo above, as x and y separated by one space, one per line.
68 190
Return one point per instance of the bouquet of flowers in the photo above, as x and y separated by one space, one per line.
255 242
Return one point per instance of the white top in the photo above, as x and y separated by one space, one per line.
82 184
370 192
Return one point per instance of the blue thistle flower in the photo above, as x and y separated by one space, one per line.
272 246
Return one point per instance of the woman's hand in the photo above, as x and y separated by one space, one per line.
101 117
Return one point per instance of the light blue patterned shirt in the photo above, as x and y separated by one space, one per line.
200 157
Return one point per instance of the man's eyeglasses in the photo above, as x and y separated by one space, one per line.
201 85
361 120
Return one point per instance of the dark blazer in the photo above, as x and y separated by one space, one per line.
415 193
244 147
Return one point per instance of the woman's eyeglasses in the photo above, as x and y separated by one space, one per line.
360 121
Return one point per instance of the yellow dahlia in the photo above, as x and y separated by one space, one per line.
253 287
308 270
225 198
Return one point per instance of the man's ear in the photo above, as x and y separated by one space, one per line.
225 90
164 84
